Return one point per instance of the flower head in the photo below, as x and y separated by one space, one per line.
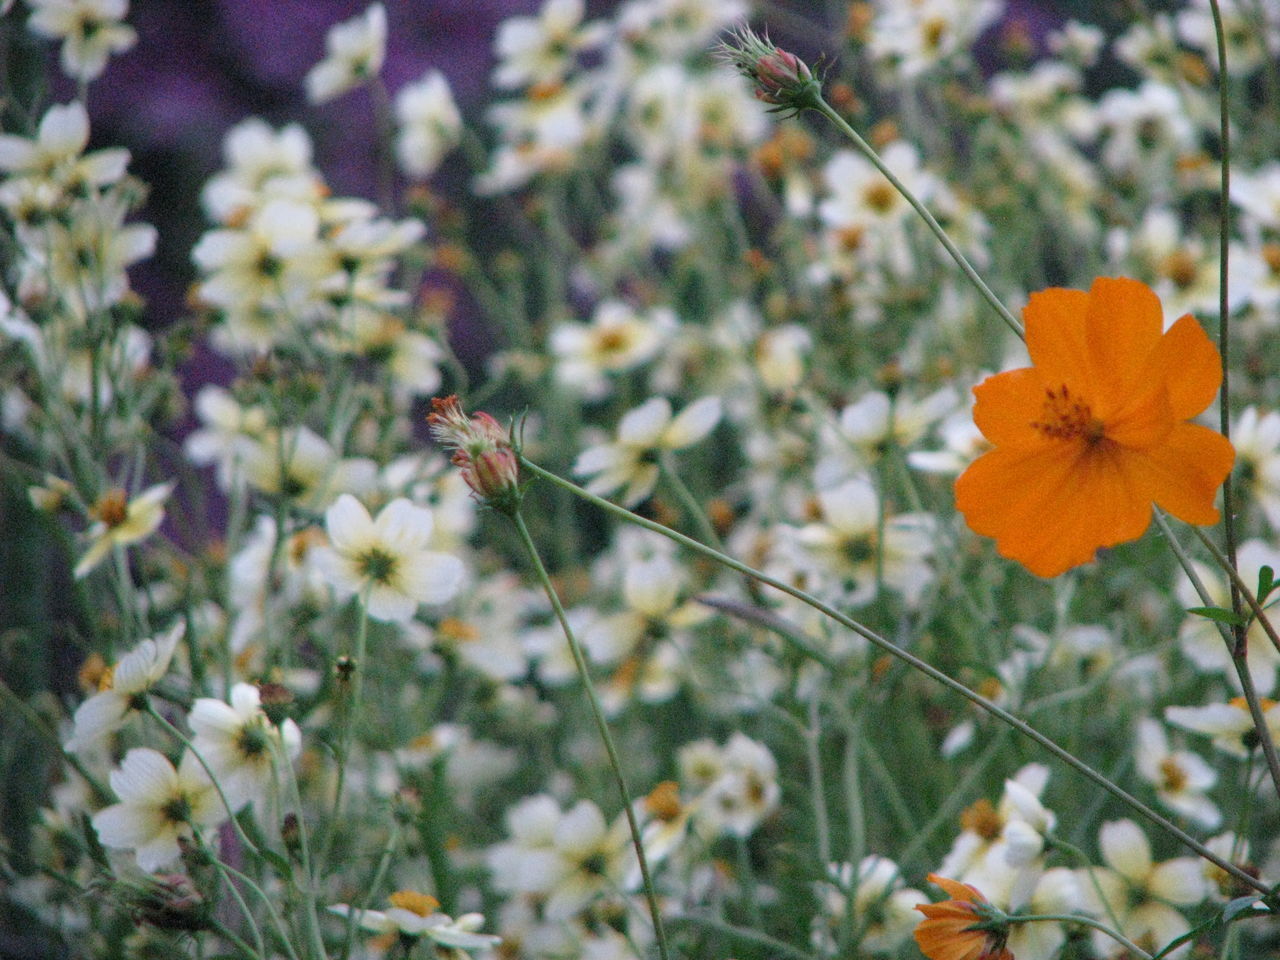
779 77
386 560
966 927
121 521
1096 431
354 51
483 451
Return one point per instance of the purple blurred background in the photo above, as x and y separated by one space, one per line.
202 65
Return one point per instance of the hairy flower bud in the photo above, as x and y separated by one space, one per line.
778 76
482 450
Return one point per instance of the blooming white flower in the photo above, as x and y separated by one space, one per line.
1180 778
540 50
386 560
158 806
429 124
1140 893
55 154
855 548
122 521
628 463
1229 724
354 52
741 784
616 340
880 900
917 36
90 31
121 689
236 741
414 915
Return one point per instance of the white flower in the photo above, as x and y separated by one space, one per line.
628 463
56 151
90 31
158 806
354 51
743 786
414 915
1139 893
430 125
386 560
122 689
880 901
1180 778
616 340
122 522
540 50
1229 724
235 740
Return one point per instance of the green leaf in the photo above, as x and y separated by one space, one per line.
1238 906
1219 615
1266 582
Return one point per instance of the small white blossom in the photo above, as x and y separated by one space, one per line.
354 52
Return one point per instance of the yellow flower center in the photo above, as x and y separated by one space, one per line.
377 565
420 903
983 819
1174 777
1064 417
112 507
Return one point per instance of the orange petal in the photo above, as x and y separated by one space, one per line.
1184 472
1122 326
955 889
1007 404
1052 509
1055 321
1190 366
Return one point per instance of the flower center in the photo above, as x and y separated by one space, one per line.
377 565
1064 417
252 740
1174 777
177 809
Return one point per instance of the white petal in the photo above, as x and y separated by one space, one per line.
144 775
643 426
694 422
348 524
1125 848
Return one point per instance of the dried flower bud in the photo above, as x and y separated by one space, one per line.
482 450
779 77
276 699
170 901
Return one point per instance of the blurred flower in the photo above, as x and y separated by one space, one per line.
121 689
880 901
122 521
1140 894
616 340
628 464
1180 778
354 51
540 50
1230 724
413 915
385 560
90 31
966 927
159 806
1095 431
429 124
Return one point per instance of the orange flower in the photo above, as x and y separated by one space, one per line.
966 927
1096 430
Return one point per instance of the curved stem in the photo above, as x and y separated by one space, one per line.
602 725
915 662
1115 935
962 262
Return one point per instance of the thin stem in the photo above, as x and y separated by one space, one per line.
349 727
602 725
698 516
1119 938
778 947
1237 652
817 783
1224 322
962 262
913 661
282 761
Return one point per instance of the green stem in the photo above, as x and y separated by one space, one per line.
915 662
1237 652
778 947
962 262
1224 323
602 725
1129 945
349 725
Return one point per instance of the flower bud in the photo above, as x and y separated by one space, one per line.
482 450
